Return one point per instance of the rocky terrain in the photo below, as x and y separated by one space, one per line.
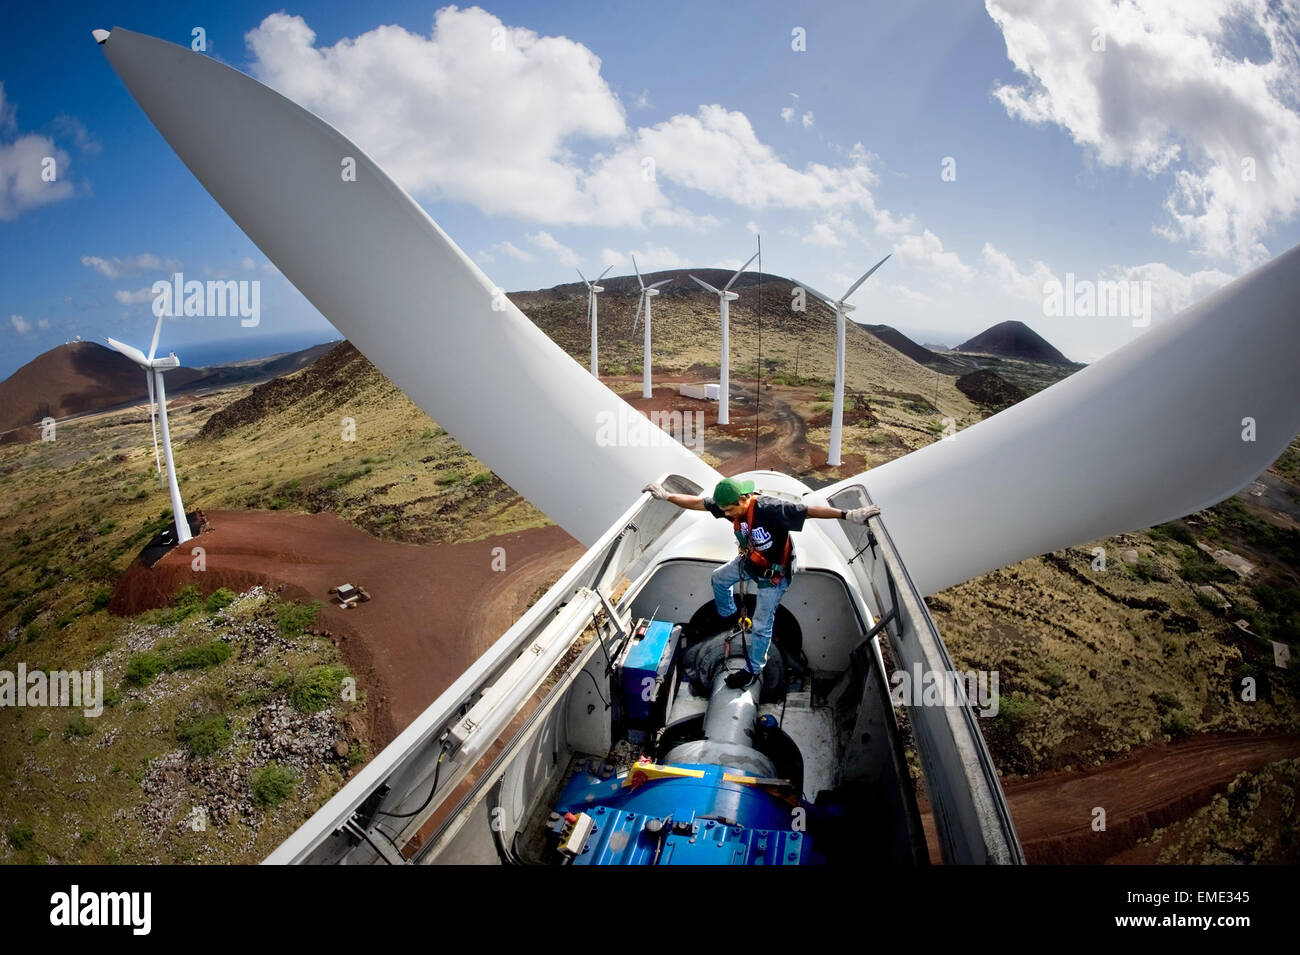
1098 660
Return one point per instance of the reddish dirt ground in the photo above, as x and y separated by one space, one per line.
434 609
1154 787
783 443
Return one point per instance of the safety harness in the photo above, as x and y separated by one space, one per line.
770 572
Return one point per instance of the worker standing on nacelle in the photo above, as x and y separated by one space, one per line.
762 526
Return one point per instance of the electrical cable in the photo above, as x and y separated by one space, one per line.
597 685
437 771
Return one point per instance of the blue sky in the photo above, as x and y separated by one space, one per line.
518 125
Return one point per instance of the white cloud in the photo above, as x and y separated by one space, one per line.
652 258
42 324
22 164
717 152
115 268
21 325
831 231
926 251
822 235
1181 90
909 295
787 113
548 243
138 297
807 120
512 250
451 117
1171 290
1018 283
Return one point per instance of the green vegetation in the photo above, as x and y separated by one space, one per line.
20 835
1175 530
483 477
1196 568
293 619
205 655
272 785
338 480
1279 610
1054 676
78 727
317 687
1176 724
205 735
142 667
219 599
1015 712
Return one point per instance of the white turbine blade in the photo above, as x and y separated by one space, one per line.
153 347
383 273
639 305
1155 430
584 279
603 274
659 283
854 287
130 351
706 285
816 294
738 271
153 419
638 272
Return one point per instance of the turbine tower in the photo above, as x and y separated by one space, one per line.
592 291
153 372
647 292
725 297
842 308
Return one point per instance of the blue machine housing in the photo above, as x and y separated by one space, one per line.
683 821
648 658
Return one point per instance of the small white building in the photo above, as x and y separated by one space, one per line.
707 391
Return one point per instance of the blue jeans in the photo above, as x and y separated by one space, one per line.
760 638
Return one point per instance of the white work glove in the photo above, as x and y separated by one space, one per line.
859 515
656 491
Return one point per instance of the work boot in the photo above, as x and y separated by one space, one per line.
740 679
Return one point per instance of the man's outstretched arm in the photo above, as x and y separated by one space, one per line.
859 515
689 501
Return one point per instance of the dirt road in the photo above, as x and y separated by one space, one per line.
1155 786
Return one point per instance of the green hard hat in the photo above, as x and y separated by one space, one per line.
729 491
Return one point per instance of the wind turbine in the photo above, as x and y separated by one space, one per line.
647 292
842 308
592 291
153 372
1071 464
725 297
